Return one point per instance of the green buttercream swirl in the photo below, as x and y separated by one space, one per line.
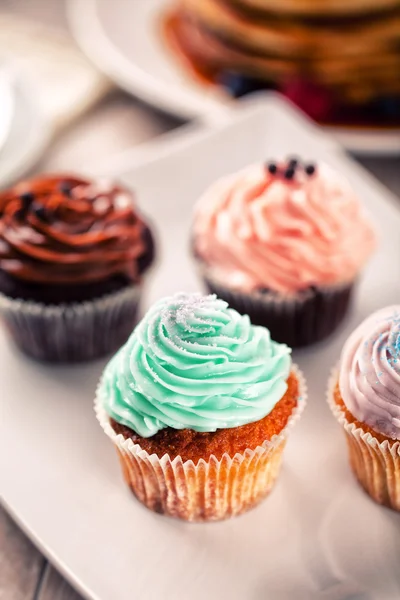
194 363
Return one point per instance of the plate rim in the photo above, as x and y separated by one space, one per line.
95 43
51 557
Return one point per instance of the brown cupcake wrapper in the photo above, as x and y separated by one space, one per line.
375 464
71 332
297 320
209 490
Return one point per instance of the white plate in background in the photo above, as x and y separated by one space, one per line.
28 134
6 103
51 83
66 83
124 40
317 536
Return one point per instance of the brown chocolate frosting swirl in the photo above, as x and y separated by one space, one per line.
65 230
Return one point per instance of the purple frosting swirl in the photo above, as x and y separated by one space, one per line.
370 372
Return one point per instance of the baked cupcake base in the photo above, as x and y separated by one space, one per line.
298 320
206 490
71 332
374 458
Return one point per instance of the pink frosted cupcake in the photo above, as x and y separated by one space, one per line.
283 243
365 398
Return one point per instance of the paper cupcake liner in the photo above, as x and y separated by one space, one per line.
209 490
375 464
297 320
71 332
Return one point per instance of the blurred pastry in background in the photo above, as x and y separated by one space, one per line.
338 60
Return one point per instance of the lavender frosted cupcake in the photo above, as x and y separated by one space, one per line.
285 244
365 398
73 254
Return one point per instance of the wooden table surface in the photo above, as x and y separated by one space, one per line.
116 123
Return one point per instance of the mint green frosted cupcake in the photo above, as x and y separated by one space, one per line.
198 403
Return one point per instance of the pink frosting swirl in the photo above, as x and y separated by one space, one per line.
369 378
259 230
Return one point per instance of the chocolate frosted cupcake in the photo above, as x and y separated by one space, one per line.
198 404
364 396
72 258
283 243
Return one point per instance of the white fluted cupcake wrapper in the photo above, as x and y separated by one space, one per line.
375 464
206 491
71 332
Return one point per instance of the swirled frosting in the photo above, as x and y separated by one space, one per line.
65 230
370 372
283 231
194 363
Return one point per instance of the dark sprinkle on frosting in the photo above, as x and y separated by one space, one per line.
310 169
65 188
288 169
289 173
20 213
27 199
41 213
272 168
